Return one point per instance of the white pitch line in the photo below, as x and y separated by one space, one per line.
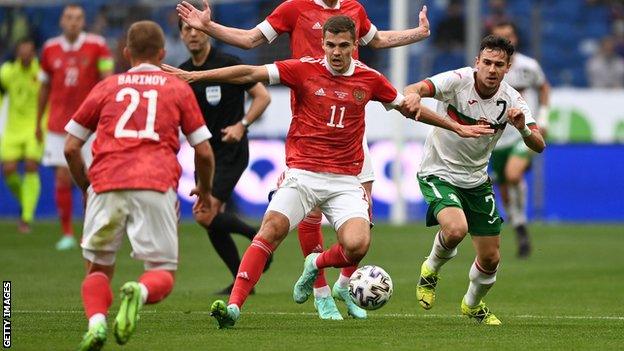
394 315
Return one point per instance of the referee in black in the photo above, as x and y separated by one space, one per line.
223 107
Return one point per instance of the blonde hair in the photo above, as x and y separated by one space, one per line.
145 40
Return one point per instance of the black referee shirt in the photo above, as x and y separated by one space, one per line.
221 104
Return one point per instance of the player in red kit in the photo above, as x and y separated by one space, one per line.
324 155
131 185
71 64
303 21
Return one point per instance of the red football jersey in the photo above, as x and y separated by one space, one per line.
137 116
304 19
327 128
72 70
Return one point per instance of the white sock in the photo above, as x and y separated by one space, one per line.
144 293
322 291
516 209
440 254
343 281
480 284
97 318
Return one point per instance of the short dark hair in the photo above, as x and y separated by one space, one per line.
145 39
339 24
494 42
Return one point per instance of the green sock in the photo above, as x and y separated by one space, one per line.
14 182
30 195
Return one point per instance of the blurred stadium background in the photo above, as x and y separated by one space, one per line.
585 153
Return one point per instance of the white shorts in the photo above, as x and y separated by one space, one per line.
150 219
340 197
367 174
53 154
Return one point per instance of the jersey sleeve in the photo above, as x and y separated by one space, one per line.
366 29
520 103
287 72
105 59
46 70
387 94
281 20
191 120
444 85
85 120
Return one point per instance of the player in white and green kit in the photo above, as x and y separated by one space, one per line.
453 176
511 158
19 80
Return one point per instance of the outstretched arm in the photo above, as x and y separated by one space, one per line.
202 20
240 74
393 38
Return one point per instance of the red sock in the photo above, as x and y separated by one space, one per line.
334 257
96 294
63 197
348 271
250 270
311 240
159 284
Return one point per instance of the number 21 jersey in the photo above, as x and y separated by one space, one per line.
137 116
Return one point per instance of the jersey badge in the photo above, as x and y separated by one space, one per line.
317 25
359 95
213 95
472 102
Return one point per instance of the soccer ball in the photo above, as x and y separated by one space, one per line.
370 287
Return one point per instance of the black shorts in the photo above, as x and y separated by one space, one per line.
230 163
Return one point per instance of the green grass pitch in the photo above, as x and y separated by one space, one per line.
568 296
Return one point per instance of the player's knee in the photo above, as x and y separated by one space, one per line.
274 229
355 251
31 166
489 260
9 168
455 232
513 175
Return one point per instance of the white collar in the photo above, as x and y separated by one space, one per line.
322 4
75 46
348 73
144 67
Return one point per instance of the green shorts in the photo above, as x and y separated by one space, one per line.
499 159
477 203
18 147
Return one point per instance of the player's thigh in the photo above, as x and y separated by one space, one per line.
274 228
516 167
439 196
104 226
345 199
294 198
12 148
481 210
153 226
34 150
